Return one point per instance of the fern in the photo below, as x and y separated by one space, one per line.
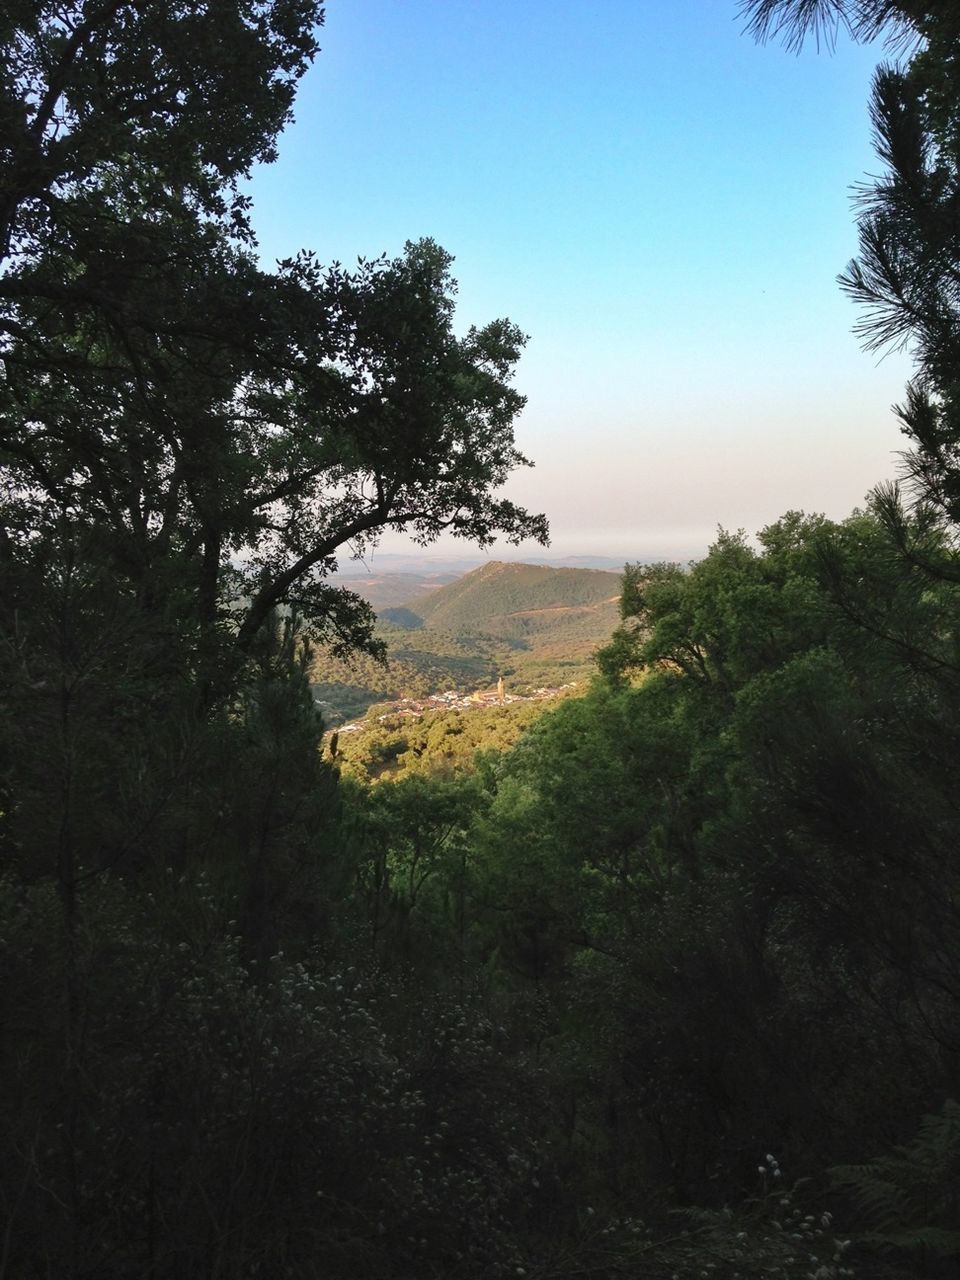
910 1197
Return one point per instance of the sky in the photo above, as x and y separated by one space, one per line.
661 203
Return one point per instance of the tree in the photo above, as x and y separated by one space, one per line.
906 275
213 432
186 441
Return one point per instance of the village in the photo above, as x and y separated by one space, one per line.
453 700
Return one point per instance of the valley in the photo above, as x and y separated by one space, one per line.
535 626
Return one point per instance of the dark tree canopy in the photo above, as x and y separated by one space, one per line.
184 95
213 432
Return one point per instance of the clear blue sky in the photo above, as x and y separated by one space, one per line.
662 204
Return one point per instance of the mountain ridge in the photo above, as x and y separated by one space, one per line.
510 599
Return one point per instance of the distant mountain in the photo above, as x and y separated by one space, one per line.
386 589
586 562
522 603
431 564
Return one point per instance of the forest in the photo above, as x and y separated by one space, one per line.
658 980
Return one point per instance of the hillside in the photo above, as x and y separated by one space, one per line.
527 605
439 741
417 664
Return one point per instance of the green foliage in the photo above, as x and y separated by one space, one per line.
438 742
907 1199
493 993
229 1121
768 1235
752 842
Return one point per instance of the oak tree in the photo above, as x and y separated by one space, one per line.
211 433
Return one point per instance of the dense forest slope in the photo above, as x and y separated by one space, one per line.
487 598
517 600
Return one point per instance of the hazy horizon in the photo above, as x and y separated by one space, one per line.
448 551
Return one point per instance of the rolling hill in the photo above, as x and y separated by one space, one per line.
521 603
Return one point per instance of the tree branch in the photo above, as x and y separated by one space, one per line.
274 592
